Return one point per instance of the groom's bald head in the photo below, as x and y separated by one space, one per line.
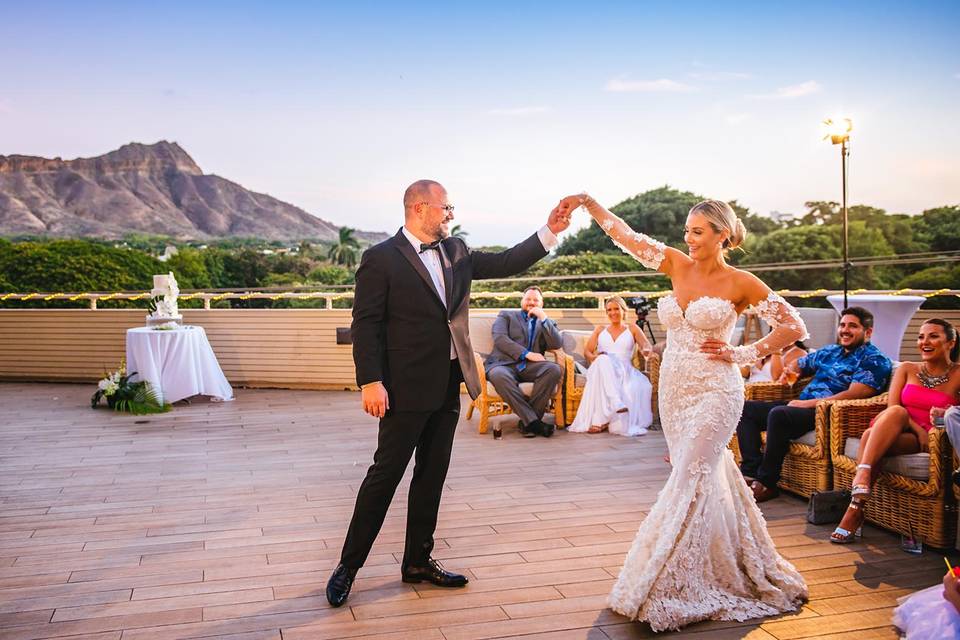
426 210
421 191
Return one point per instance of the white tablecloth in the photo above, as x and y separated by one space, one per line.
891 314
178 363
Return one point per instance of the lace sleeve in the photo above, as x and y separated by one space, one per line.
649 252
786 324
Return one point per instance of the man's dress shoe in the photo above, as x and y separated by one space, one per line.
338 586
433 572
761 493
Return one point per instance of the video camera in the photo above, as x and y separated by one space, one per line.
641 307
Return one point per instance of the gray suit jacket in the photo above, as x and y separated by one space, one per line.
510 338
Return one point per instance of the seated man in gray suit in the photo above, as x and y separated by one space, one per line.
519 340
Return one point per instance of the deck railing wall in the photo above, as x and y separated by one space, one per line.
281 348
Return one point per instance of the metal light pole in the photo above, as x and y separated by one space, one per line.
839 133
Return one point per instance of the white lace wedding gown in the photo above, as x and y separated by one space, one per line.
613 383
703 551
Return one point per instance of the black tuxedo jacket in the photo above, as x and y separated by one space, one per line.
401 329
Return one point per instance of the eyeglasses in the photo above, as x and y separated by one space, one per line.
446 207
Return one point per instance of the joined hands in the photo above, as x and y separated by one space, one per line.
560 216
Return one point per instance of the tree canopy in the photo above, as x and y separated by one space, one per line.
93 265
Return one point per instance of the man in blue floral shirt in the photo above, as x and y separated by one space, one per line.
851 369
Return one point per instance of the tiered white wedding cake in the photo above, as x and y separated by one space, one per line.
165 292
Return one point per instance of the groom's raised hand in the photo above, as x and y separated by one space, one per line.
559 218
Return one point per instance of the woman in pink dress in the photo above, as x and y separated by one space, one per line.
917 390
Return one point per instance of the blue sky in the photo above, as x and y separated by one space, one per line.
337 107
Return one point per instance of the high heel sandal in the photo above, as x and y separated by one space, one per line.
841 535
861 489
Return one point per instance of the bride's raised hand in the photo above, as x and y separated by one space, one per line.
572 202
717 350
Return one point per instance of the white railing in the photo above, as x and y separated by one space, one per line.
209 297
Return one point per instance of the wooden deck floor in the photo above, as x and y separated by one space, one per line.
224 520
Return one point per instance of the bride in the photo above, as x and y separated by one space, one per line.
703 551
616 395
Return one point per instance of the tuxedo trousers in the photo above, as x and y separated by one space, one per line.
427 436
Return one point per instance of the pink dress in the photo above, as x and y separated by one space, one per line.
918 400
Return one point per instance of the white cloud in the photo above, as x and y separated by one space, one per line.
518 111
735 119
791 91
717 76
663 85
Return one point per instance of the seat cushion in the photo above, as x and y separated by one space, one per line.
915 466
574 342
481 332
809 438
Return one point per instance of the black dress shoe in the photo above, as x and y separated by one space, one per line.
433 572
546 430
338 586
530 430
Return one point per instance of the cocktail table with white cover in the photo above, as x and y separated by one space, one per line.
179 363
891 315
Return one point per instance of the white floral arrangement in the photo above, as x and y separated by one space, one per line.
121 393
110 384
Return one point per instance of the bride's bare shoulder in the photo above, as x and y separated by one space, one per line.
749 287
745 280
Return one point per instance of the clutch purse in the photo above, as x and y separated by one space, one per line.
827 507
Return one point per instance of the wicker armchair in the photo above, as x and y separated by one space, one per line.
807 466
912 492
574 383
489 403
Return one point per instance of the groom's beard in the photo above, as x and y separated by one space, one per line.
439 233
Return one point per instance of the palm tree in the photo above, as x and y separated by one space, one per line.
344 251
458 232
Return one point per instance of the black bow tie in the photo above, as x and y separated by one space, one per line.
430 246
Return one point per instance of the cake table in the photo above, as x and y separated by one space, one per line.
178 363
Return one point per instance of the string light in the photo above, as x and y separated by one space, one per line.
482 295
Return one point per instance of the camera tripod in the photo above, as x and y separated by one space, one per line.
644 325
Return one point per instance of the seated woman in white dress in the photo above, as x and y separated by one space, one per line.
617 396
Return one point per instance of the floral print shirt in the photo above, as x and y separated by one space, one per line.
835 369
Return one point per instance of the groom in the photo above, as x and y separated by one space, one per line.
411 348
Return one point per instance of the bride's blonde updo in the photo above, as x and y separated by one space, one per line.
722 217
